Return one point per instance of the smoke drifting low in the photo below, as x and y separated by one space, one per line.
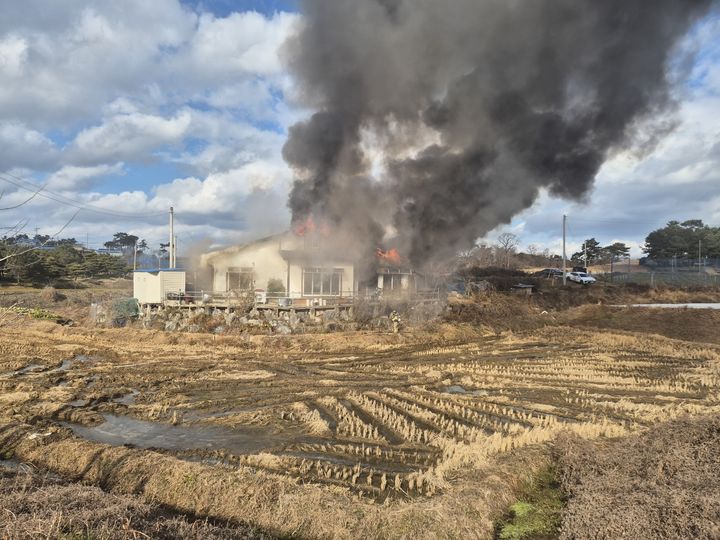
438 121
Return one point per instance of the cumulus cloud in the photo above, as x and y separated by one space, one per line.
240 43
128 136
13 53
21 146
73 178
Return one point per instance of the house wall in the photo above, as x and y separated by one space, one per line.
267 262
263 258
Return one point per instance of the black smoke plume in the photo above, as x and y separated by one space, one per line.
439 120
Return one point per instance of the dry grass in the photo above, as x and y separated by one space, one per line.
700 325
37 505
664 483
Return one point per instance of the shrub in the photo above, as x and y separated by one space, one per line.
275 286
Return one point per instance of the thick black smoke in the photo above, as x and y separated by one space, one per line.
439 120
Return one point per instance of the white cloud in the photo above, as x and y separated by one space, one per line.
13 54
240 43
128 136
72 178
21 146
221 192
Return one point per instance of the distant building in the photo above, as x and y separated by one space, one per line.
108 251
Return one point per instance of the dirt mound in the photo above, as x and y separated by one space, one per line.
498 312
662 484
38 505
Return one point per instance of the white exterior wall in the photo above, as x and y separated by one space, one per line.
263 258
267 262
153 287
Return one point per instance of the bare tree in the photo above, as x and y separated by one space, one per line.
507 243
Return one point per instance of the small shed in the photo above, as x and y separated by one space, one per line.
523 289
153 286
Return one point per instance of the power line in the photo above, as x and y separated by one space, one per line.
25 201
62 199
617 221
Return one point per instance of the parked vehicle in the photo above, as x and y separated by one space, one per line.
581 277
549 273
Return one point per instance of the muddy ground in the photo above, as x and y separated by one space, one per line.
424 434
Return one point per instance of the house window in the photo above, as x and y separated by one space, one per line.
240 279
322 281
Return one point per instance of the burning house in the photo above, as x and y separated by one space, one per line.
394 274
285 265
306 266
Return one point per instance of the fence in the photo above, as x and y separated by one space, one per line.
676 279
281 300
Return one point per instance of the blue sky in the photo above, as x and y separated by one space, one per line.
127 108
223 8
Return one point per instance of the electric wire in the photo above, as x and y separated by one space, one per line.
25 201
58 233
62 199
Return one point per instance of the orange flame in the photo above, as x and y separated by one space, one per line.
308 226
391 256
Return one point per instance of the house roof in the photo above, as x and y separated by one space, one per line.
209 257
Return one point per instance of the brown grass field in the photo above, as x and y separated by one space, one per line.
425 434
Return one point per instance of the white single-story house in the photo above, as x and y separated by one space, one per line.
300 266
303 266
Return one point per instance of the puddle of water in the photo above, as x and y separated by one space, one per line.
127 399
79 403
11 464
27 369
119 430
457 389
70 362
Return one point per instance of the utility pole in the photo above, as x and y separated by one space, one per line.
171 247
699 254
564 256
135 256
585 256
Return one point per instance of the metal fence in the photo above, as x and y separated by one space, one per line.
676 279
281 300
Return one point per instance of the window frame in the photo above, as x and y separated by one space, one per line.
320 280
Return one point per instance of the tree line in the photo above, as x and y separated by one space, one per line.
63 260
687 240
690 239
41 259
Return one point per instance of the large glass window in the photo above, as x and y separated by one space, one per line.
322 281
240 279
